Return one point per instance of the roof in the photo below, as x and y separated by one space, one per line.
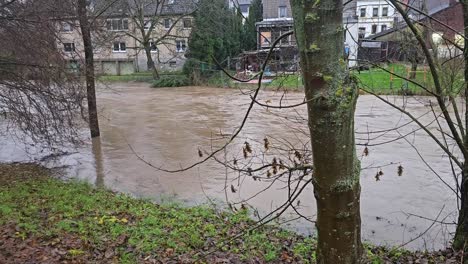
178 7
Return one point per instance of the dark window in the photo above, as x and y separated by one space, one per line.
362 32
117 24
181 45
69 47
187 23
363 12
153 47
374 29
383 28
375 12
282 11
167 23
385 11
173 64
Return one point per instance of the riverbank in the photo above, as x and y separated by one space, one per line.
45 220
375 80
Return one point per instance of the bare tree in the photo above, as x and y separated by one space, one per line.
450 116
157 23
39 94
82 12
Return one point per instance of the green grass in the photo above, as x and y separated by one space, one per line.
45 208
379 81
134 77
40 215
375 80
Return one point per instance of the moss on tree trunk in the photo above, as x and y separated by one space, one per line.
332 97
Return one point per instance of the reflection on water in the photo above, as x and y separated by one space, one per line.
166 127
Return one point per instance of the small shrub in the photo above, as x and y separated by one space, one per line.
172 81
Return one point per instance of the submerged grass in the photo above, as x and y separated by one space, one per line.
45 220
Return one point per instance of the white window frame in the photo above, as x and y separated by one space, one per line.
120 50
181 41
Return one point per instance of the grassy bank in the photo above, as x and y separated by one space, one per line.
376 80
44 220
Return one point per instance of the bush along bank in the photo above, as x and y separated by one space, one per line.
45 220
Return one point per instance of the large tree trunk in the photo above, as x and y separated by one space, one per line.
89 59
150 62
461 234
332 97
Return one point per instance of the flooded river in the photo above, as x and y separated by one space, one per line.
167 128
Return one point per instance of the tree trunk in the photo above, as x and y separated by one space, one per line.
89 61
460 241
461 235
150 62
414 68
332 97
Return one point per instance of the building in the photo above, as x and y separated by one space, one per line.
375 16
277 20
243 5
442 36
116 52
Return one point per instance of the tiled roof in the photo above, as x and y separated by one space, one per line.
119 7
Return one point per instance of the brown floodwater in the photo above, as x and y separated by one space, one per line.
166 127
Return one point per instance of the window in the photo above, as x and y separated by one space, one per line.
167 23
363 12
181 46
383 28
147 25
374 29
244 8
120 47
66 27
362 32
187 22
385 11
69 47
117 24
172 64
375 12
153 47
282 11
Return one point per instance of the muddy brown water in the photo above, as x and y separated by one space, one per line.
166 127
